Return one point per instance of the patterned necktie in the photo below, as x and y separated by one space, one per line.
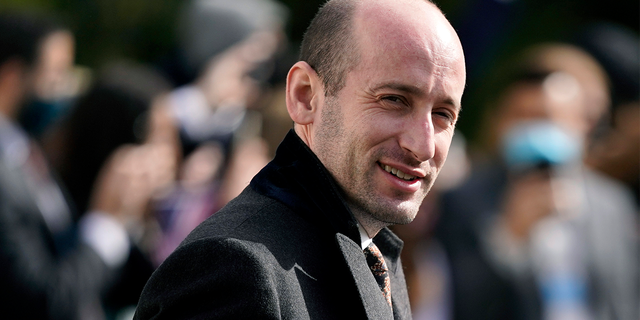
379 269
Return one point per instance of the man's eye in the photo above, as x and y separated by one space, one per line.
394 99
446 115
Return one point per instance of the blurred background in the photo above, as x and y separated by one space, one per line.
148 116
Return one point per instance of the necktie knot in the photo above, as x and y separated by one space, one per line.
378 267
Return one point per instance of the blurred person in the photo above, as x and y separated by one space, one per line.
374 99
534 234
192 199
55 83
126 105
123 115
615 151
229 49
51 267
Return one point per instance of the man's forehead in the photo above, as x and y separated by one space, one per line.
402 25
411 39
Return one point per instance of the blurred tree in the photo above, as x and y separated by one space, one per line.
106 29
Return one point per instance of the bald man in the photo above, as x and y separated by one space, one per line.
374 99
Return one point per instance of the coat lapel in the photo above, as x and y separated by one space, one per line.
374 303
391 246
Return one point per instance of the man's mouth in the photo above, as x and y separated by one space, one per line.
398 173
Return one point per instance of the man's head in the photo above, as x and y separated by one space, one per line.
34 52
378 106
552 82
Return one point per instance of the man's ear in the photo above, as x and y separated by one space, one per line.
304 92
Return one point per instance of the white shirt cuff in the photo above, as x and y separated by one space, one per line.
106 236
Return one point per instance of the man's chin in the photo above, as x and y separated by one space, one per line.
402 213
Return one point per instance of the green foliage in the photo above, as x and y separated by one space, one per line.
140 30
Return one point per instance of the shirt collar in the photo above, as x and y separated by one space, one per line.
365 240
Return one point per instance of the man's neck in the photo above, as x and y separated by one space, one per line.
366 222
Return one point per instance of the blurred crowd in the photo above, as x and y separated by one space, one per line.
104 172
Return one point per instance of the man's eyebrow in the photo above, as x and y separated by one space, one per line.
451 102
416 91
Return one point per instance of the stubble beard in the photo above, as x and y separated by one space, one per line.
382 210
353 175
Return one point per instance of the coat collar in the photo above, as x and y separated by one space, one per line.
297 178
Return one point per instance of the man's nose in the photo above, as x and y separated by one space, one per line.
418 137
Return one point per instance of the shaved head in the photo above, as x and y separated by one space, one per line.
329 45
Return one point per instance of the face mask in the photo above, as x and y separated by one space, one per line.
536 144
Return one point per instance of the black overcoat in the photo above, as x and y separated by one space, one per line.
286 248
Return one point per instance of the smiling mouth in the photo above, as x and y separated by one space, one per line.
398 173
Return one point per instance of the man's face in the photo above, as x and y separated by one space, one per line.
51 73
385 136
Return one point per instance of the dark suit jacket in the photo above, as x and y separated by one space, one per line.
286 248
46 272
42 275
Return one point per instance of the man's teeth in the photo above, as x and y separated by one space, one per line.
398 173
